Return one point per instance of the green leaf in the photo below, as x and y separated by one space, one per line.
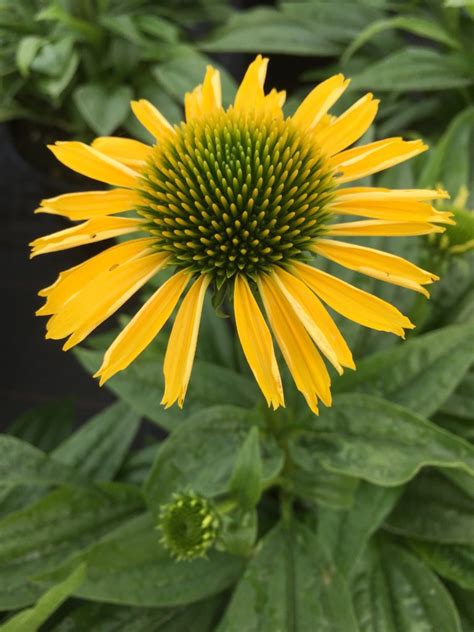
21 463
413 69
290 585
26 52
465 604
103 108
141 386
453 561
419 26
346 533
461 402
318 485
395 591
100 617
131 567
98 448
434 508
239 532
30 620
212 436
419 374
247 475
184 72
44 426
53 87
378 441
449 162
41 536
272 31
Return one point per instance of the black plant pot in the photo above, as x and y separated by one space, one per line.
35 371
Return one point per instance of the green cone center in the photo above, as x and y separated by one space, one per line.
235 193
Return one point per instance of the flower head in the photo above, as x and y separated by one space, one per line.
240 202
189 526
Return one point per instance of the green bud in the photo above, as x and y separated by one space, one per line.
458 238
189 525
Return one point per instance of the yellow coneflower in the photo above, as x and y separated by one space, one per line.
240 202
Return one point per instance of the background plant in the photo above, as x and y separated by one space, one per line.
357 520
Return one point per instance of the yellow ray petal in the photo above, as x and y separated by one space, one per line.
319 101
72 281
382 228
126 150
368 159
101 297
182 344
316 320
211 90
380 194
152 119
250 93
144 326
256 342
306 365
94 164
357 305
96 229
273 102
375 263
77 206
402 210
348 127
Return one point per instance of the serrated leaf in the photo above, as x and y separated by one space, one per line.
419 374
346 533
29 620
103 108
141 386
290 585
41 536
381 442
212 436
434 508
131 567
394 591
98 448
414 68
247 475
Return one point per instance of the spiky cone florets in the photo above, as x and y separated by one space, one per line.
235 193
189 525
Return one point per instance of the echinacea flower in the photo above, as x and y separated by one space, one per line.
241 202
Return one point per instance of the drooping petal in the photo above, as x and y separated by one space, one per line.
101 297
316 320
92 163
96 229
73 280
348 127
144 327
126 150
256 342
152 119
250 93
77 206
306 365
401 210
353 303
319 101
366 160
375 263
381 228
181 347
380 194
